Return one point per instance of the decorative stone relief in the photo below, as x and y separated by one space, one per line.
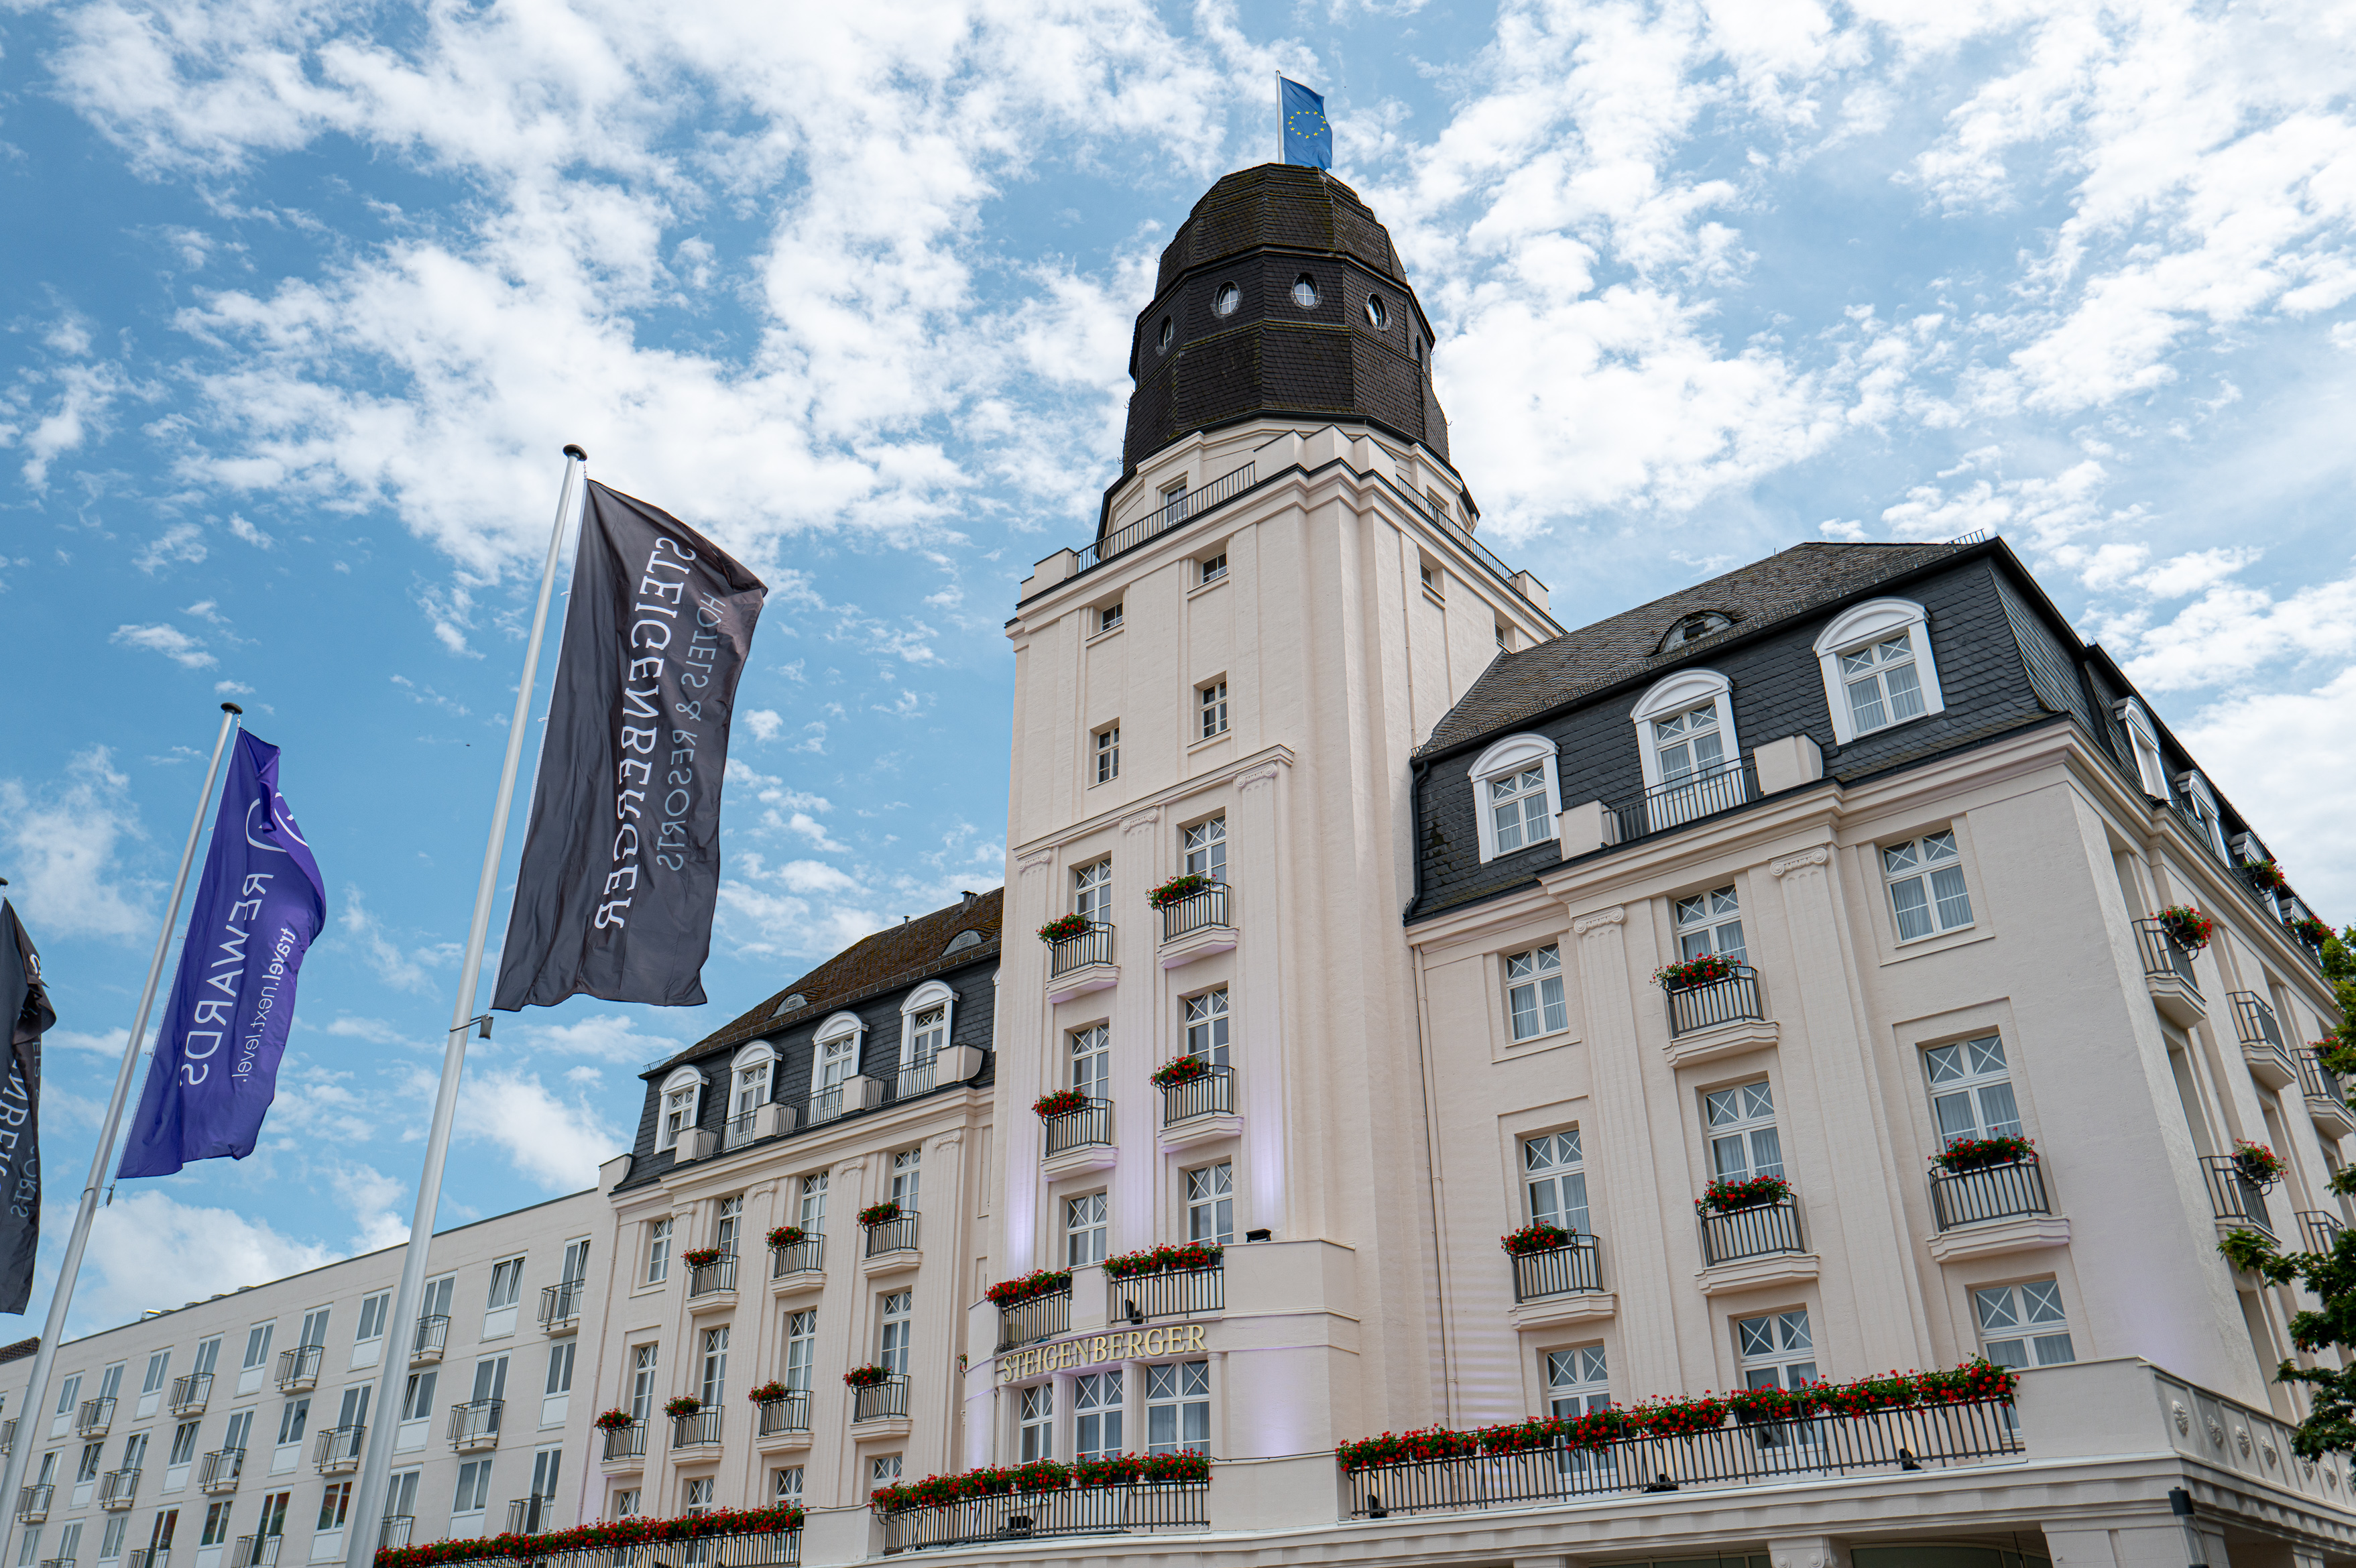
1257 777
2184 1416
2241 1437
1141 821
1587 923
2216 1433
1820 855
1038 860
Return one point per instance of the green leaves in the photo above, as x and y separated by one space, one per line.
2331 1278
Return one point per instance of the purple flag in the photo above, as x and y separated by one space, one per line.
260 905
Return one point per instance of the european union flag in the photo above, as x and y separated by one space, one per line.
1308 139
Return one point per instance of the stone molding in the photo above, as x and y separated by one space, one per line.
1820 855
1588 924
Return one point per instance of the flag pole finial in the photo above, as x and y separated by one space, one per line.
231 708
573 449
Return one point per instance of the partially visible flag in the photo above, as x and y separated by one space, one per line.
1308 139
260 905
24 1005
621 867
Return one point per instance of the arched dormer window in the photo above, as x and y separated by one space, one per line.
2143 738
750 1081
925 1023
838 1049
961 941
683 1102
1516 794
1695 627
2199 801
791 1003
1686 745
1878 668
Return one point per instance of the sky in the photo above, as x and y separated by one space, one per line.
300 301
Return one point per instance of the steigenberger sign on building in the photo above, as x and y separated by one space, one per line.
1087 1350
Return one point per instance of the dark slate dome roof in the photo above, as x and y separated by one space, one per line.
1230 334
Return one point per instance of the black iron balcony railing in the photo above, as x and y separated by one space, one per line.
1212 1095
530 1516
94 1417
1715 1002
627 1442
476 1423
117 1488
338 1452
217 1471
7 1434
2232 1195
892 1235
298 1369
1720 787
559 1305
1093 945
1041 1317
2316 1081
2253 1020
704 1279
1180 1293
1923 1437
915 1078
433 1334
2163 955
1567 1270
1196 912
805 1256
191 1394
1988 1193
700 1430
1756 1231
33 1503
1039 1516
1192 505
791 1413
1090 1126
2318 1231
256 1550
881 1402
393 1532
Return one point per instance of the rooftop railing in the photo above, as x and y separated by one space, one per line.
1186 508
915 1078
1722 786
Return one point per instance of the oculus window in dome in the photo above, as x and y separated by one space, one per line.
790 1004
1693 628
1305 292
1168 331
1378 315
1224 302
961 941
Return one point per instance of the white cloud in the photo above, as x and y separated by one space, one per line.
602 1037
248 532
149 1250
764 723
183 542
64 843
2242 743
2232 631
376 1031
170 641
556 1141
376 1201
108 1045
403 971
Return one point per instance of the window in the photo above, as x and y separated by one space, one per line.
1037 1422
87 1468
239 1429
1178 1408
644 1359
69 1392
208 1356
1434 583
559 1367
109 1381
1206 1020
2201 803
713 1387
753 1069
436 1302
352 1409
1211 1203
1695 627
683 1102
838 1058
1096 1414
700 1493
1971 1091
216 1524
1162 335
1504 639
1305 292
110 1541
626 1503
545 1463
1174 495
257 1347
1378 315
883 1470
135 1452
1926 886
1515 782
1437 499
892 1341
507 1283
1877 669
576 1262
1686 744
184 1442
730 1216
374 1310
1203 848
332 1504
491 1383
1084 1230
400 1497
801 1347
474 1486
1742 1139
159 1366
2023 1325
1776 1350
417 1396
1215 568
2143 738
1577 1382
1224 302
291 1417
924 1024
1092 892
813 1205
1213 701
1534 992
658 1250
1710 922
1108 618
907 1177
1108 753
1092 1060
1554 1178
30 1552
786 1486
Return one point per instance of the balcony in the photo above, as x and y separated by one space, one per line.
433 1334
33 1503
2319 1232
1561 1284
708 1283
298 1369
532 1515
1081 964
625 1443
1759 1245
1041 1317
893 1239
1717 1017
2167 975
94 1417
701 1430
148 1557
887 1401
770 1121
475 1425
1075 1141
256 1550
217 1471
116 1488
191 1394
1172 1293
1196 926
787 1417
559 1306
1200 1110
2327 1097
2233 1198
1042 1516
1991 1209
1723 787
806 1257
915 1079
856 1093
338 1452
2262 1041
394 1532
7 1434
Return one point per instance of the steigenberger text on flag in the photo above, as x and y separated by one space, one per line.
261 902
621 867
25 1007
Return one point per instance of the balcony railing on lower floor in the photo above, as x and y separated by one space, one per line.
626 1441
1042 1516
1988 1193
2318 1231
425 1346
1041 1317
338 1450
1569 1270
1092 945
791 1413
880 1401
1756 1231
1920 1437
746 1549
701 1430
117 1488
805 1256
2316 1081
256 1550
2232 1195
1195 912
1714 1002
33 1503
532 1515
394 1534
217 1471
1090 1126
191 1394
1173 1293
894 1235
148 1557
2163 955
476 1423
559 1305
707 1279
1212 1095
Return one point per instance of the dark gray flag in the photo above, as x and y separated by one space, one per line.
621 868
24 1003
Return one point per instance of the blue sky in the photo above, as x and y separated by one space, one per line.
301 301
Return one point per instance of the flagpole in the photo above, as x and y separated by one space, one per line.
361 1543
36 1392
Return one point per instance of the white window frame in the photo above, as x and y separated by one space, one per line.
2143 739
1554 1181
1104 754
895 1316
1687 689
1211 709
831 1034
1091 894
1512 755
1533 979
1091 1057
923 999
1577 1381
1179 1389
1098 1411
2195 788
1871 622
1034 1422
1920 871
801 1348
1203 847
759 1055
2037 1319
1084 1228
1209 1196
1704 916
686 1081
655 1267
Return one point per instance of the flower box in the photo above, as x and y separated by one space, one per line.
1062 928
2265 874
701 1257
1974 1154
2259 1166
1062 1103
2309 930
1038 1282
769 1393
1178 890
1043 1476
1164 1259
869 1376
682 1405
1180 1070
880 1214
1538 1237
614 1420
2186 926
787 1236
601 1537
1705 970
1724 1197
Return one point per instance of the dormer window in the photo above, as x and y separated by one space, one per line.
2193 792
1685 745
2142 737
683 1102
1161 339
1693 628
1378 315
1517 794
793 1002
1878 668
961 941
